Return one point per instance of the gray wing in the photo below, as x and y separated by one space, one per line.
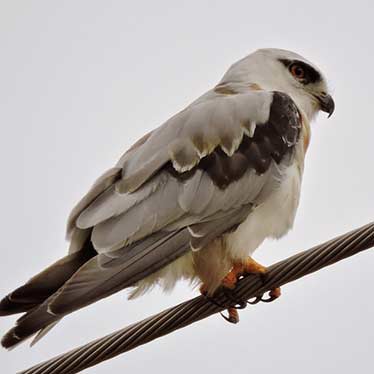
189 181
159 184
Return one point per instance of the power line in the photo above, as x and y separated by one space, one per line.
200 307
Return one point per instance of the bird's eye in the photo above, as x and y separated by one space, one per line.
297 71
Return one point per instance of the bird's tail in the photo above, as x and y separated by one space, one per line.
39 288
74 286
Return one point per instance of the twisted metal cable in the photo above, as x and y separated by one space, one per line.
200 307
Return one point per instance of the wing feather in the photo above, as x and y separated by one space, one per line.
201 152
102 183
194 133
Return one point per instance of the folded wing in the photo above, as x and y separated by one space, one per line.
189 181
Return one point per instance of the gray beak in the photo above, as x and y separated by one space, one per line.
326 103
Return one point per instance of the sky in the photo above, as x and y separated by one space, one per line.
82 80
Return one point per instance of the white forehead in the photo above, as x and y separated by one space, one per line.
261 60
276 54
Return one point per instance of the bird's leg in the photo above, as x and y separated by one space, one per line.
240 268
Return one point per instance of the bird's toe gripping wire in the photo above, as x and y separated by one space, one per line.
234 300
272 295
240 269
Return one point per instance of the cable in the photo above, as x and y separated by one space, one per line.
200 307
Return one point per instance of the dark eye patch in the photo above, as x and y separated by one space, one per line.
311 74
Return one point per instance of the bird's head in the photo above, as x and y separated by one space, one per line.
288 72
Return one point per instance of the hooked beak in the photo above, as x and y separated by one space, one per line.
326 103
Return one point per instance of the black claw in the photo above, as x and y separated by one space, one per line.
255 301
242 305
264 300
229 319
269 299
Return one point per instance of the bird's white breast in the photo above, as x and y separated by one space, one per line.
271 219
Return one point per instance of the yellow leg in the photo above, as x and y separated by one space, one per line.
248 266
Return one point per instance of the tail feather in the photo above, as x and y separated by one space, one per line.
30 297
8 307
44 284
28 325
84 277
43 332
100 277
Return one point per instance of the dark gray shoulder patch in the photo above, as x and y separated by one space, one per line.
273 140
285 117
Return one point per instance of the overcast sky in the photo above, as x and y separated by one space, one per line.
80 81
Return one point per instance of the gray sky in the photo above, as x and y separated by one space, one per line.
82 80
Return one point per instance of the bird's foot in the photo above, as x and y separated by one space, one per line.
236 303
229 282
240 269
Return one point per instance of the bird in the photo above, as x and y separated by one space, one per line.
193 199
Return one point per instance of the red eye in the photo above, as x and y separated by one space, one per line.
297 71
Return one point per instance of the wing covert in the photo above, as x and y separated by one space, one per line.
196 166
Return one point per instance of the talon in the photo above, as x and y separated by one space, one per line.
255 301
273 295
275 292
233 316
239 269
241 305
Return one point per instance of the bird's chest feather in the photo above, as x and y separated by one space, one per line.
271 219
